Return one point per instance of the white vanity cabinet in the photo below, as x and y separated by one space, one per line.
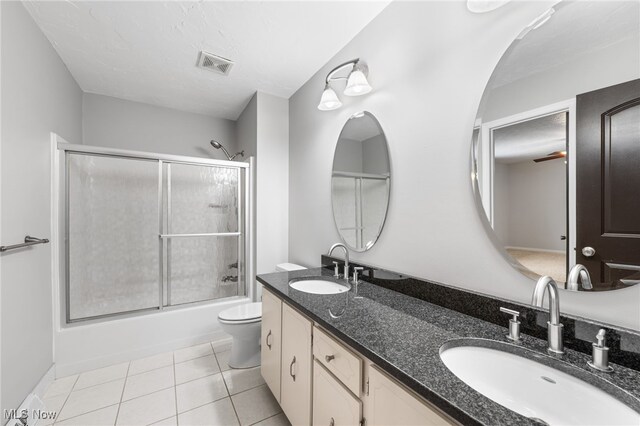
271 341
388 403
333 404
319 380
295 391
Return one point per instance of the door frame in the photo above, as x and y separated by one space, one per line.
487 162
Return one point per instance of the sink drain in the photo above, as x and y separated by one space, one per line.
548 379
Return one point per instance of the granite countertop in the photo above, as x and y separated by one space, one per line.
403 336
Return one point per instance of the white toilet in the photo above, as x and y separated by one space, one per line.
243 323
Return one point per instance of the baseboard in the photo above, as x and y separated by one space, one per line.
217 337
536 249
33 402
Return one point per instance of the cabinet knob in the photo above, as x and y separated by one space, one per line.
332 422
328 358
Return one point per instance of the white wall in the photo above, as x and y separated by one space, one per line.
272 189
39 96
116 123
428 76
263 132
247 128
537 205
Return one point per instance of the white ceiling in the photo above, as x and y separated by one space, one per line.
531 139
575 29
147 51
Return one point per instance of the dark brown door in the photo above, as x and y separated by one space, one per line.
608 184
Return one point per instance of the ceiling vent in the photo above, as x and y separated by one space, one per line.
217 64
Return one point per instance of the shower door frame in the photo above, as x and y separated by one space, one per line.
245 232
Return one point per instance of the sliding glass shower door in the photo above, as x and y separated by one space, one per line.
203 233
147 234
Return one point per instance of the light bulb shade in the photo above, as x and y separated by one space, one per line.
357 84
329 100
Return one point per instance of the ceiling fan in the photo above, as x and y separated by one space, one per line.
552 156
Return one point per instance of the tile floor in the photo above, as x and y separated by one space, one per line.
191 386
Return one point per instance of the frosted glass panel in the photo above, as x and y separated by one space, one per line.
343 190
113 235
375 197
204 199
203 268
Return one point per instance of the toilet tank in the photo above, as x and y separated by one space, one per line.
284 267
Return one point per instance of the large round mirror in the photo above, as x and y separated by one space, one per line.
360 181
556 147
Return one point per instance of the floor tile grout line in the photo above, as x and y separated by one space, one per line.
267 418
65 400
103 383
193 359
230 399
88 412
175 388
149 393
202 405
150 370
115 422
248 389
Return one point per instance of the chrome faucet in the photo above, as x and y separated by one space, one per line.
554 328
579 273
346 257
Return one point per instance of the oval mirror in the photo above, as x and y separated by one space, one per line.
556 147
360 181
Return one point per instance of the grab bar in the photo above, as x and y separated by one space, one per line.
28 241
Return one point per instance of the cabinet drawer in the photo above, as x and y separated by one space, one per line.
339 360
333 404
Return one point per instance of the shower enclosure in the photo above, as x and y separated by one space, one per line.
149 232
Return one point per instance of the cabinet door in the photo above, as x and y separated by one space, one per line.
333 404
295 396
389 404
271 341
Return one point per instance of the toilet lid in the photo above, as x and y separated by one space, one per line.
242 312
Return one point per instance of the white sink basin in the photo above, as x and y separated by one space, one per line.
536 390
319 286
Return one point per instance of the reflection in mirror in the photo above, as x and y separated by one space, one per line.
360 181
556 147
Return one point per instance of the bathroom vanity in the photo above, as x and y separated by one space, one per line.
323 381
373 357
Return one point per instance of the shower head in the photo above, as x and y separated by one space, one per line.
218 145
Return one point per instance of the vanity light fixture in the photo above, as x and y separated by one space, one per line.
357 84
483 6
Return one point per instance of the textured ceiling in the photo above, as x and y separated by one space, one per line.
530 139
574 30
147 51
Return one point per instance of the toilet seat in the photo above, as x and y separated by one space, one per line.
246 313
